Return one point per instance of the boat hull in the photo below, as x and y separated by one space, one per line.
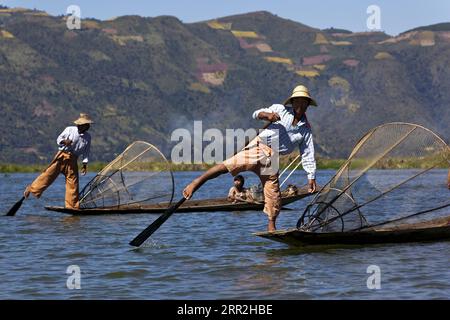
206 205
434 230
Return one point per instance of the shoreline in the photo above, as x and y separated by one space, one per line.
322 164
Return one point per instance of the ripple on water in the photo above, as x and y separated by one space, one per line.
135 273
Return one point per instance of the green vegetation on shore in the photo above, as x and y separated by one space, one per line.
97 166
322 164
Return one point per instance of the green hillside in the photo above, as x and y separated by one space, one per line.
141 78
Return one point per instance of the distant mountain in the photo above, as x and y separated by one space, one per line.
434 27
141 78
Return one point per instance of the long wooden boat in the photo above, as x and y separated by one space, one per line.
205 205
437 229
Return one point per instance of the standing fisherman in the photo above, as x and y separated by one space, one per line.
73 142
290 128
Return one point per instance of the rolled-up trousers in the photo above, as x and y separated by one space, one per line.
65 163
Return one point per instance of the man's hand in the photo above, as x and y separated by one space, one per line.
66 142
269 116
188 191
84 170
312 186
273 117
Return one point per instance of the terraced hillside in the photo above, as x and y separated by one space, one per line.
141 78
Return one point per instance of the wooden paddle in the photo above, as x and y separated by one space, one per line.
147 232
15 208
18 204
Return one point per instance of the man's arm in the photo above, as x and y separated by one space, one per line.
270 114
85 157
309 161
63 140
231 194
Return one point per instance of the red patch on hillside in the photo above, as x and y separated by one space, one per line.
351 62
109 31
308 61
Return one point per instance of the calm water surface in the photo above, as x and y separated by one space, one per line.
197 255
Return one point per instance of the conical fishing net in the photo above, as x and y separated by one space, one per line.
395 175
140 176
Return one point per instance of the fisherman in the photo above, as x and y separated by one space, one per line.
237 191
289 126
73 142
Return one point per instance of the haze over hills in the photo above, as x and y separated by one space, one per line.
141 78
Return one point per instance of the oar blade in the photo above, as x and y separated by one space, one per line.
15 208
147 232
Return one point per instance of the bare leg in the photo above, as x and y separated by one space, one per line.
212 173
271 227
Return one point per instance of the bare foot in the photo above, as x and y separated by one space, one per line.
26 193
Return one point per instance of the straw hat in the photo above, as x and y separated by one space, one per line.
300 91
83 119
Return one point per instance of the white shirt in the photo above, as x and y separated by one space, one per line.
288 136
81 143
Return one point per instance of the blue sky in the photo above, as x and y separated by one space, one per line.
396 15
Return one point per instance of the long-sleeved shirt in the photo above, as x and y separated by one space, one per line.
81 143
287 136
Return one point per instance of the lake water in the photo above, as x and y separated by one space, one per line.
197 255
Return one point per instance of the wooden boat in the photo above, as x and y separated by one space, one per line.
437 229
205 205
